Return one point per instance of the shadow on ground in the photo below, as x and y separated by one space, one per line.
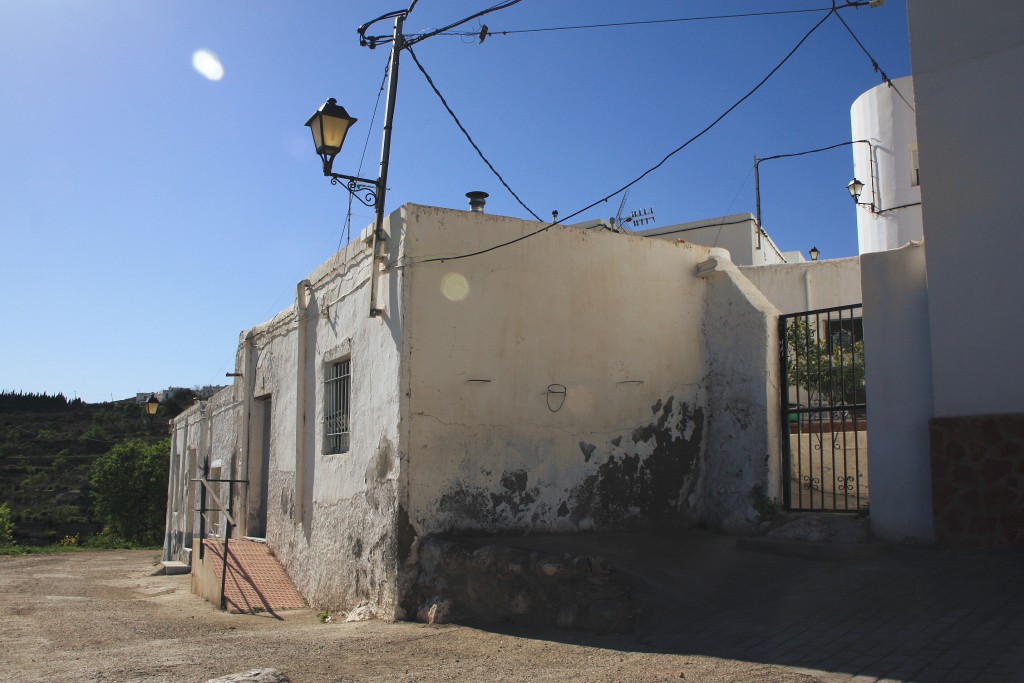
918 614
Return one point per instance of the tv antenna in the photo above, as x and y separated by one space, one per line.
637 217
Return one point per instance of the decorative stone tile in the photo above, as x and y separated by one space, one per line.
977 483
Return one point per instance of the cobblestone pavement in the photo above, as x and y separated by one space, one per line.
914 614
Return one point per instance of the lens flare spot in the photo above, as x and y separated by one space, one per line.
454 287
207 64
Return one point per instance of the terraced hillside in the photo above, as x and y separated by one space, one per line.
47 447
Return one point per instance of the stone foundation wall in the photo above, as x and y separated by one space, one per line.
978 479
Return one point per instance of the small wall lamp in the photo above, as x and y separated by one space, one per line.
814 253
855 187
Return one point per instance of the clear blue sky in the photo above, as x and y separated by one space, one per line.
149 214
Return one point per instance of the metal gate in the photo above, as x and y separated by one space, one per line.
824 410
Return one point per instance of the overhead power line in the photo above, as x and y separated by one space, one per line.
455 118
874 63
649 22
413 39
653 168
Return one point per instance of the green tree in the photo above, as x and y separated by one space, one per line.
129 486
6 526
830 368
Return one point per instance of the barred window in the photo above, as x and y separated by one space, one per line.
337 403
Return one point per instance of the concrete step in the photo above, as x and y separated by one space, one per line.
173 567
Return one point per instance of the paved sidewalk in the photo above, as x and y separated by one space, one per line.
922 615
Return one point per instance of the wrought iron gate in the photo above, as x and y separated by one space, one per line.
824 410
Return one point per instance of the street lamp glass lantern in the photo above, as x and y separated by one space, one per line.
152 404
330 125
815 253
855 187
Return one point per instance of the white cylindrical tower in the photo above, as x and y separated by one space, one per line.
889 212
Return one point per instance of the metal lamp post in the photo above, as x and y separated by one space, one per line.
330 125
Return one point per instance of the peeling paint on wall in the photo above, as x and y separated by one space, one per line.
642 477
647 479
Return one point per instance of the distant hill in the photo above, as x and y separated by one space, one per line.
47 447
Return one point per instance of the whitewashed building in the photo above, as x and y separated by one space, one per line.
575 380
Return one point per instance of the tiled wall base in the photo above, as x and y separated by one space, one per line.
978 479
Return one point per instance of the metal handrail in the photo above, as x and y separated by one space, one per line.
226 510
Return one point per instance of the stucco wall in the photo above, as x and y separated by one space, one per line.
744 441
882 117
555 383
796 287
737 234
332 518
898 381
207 432
967 59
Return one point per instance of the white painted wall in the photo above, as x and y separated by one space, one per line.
967 61
737 234
887 122
897 360
615 319
741 379
332 519
796 287
206 432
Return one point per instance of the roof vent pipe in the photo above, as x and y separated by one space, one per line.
477 199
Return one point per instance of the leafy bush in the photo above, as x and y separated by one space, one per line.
6 526
129 486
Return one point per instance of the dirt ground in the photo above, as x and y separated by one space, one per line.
104 616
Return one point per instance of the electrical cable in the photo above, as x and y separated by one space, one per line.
812 151
874 64
366 144
455 118
652 168
647 22
494 8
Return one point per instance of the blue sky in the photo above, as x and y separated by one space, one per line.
148 214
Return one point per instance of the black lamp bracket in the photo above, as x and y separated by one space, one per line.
363 189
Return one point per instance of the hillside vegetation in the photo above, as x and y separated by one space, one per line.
47 449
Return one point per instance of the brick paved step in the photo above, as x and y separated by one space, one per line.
255 582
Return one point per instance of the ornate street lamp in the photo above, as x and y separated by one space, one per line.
152 403
815 253
331 123
855 187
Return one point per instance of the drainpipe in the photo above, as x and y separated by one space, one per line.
248 377
172 485
807 290
302 293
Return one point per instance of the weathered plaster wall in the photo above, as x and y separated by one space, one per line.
332 517
555 383
744 439
966 58
204 433
897 363
796 287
